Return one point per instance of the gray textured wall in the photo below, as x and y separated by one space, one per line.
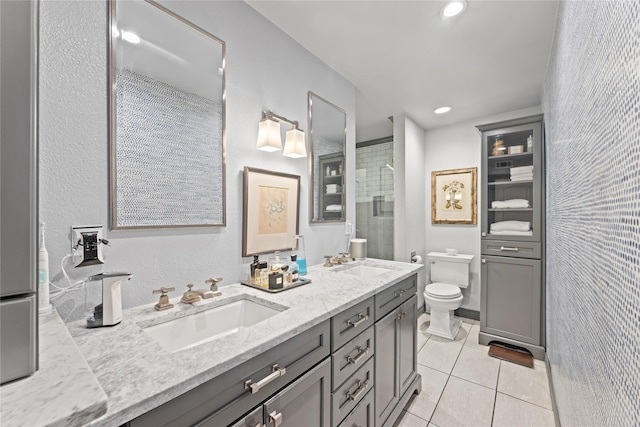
592 114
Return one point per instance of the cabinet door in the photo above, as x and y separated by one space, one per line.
504 148
252 419
511 297
407 348
387 390
306 402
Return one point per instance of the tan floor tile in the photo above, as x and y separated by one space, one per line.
421 341
478 367
464 404
439 354
472 339
433 383
409 420
510 411
530 385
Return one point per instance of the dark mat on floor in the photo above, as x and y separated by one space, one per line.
511 354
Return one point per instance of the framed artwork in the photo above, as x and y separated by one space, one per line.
271 205
453 196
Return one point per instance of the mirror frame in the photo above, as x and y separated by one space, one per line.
111 64
312 190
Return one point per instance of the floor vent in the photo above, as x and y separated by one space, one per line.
511 353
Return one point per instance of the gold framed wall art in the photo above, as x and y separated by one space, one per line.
454 196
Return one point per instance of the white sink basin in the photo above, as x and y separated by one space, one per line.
364 271
194 329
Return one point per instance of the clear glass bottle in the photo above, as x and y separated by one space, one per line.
294 269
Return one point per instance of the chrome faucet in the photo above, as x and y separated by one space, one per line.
213 282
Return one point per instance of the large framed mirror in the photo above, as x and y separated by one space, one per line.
327 146
167 120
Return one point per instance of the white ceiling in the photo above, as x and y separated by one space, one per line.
404 58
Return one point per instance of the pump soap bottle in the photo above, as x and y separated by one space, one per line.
301 254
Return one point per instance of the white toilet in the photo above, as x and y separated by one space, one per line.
449 273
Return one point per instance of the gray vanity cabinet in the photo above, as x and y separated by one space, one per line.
512 289
396 359
363 414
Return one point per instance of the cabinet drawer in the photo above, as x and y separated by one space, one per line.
392 297
352 356
512 249
225 398
351 322
362 415
345 398
306 402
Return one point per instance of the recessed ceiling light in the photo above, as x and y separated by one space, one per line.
442 110
130 37
454 8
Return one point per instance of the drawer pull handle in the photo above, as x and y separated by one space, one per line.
508 249
400 293
361 318
362 386
275 418
276 372
362 352
484 261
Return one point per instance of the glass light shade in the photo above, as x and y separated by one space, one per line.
294 145
269 136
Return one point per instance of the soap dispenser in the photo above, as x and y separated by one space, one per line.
103 302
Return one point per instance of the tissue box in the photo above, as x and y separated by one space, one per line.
515 149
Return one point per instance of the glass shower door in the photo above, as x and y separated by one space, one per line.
375 196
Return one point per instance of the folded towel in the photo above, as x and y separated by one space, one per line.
521 173
521 169
511 226
334 208
511 233
522 178
513 203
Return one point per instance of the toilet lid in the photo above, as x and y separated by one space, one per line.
442 290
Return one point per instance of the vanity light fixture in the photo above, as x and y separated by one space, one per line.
269 136
453 8
442 110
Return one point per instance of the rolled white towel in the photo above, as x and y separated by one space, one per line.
511 233
334 208
511 226
512 203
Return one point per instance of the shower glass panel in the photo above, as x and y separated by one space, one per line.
375 196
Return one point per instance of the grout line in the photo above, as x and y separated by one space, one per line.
526 401
495 396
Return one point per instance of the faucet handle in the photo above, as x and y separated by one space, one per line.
214 285
213 282
327 261
164 303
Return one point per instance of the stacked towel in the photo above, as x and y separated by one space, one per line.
333 188
522 173
334 208
511 228
512 203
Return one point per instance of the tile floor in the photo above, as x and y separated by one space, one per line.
463 386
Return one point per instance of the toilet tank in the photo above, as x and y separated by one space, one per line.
452 269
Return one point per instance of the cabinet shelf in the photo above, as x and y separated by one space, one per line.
511 156
528 181
510 209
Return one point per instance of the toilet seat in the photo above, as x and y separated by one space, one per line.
442 291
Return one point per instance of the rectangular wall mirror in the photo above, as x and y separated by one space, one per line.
167 120
327 136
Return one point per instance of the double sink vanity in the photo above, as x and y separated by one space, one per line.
340 351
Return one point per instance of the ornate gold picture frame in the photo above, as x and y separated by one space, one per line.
454 196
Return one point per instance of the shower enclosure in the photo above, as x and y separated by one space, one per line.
375 196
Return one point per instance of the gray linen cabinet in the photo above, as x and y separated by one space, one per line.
512 265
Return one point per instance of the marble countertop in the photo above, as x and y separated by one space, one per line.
63 392
137 374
